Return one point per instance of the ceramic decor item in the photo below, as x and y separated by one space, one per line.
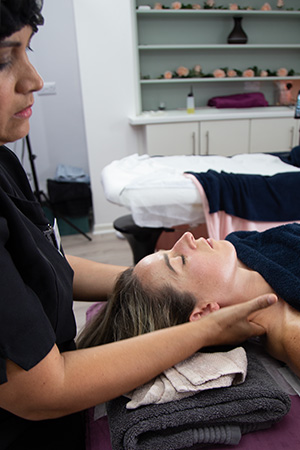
237 35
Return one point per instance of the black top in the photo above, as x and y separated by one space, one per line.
35 303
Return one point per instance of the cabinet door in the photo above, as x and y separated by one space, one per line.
224 137
273 135
172 139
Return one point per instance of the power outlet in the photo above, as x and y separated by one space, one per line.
49 88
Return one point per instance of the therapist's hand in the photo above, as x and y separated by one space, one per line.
231 324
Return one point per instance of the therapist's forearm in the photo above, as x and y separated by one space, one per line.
93 281
64 383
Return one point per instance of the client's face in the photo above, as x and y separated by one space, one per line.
204 267
18 81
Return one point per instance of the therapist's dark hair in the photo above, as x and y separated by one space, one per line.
15 14
135 309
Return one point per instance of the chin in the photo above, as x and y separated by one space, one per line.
17 136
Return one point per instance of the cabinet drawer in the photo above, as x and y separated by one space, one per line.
273 135
224 137
172 139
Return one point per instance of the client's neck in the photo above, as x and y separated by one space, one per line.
251 284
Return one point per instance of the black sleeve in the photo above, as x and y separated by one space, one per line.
26 334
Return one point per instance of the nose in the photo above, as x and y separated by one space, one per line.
30 80
187 240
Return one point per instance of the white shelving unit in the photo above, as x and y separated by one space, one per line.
167 39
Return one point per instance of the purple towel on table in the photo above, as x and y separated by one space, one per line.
248 100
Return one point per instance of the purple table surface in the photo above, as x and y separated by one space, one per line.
284 435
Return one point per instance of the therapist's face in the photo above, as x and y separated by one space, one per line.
18 81
203 267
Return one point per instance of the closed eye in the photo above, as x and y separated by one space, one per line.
183 259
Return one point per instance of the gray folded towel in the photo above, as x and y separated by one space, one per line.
216 416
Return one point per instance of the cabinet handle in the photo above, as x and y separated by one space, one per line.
193 143
207 142
292 138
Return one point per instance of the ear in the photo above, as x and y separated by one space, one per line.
202 310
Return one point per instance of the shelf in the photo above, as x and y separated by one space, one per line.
216 12
219 47
208 113
216 80
167 39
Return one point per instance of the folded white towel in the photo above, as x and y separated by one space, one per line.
199 372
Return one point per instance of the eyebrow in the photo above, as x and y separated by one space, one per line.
5 44
167 261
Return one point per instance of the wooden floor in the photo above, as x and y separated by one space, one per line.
106 248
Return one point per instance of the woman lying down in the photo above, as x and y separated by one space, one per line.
197 277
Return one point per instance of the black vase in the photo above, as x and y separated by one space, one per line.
238 35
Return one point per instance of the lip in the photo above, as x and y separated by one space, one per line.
209 241
24 113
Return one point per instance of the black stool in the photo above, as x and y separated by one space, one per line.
142 240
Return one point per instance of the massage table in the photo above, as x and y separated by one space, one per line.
283 435
161 196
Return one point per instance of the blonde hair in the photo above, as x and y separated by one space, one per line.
134 309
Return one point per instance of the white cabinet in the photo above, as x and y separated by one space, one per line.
273 135
173 139
224 137
224 132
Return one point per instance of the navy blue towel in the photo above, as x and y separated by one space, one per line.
275 254
293 157
253 197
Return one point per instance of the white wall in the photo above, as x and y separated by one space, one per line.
107 61
86 47
57 126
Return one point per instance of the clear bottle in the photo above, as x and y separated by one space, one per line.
190 102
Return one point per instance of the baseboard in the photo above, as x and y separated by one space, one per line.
103 228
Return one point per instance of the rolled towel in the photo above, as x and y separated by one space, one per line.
245 100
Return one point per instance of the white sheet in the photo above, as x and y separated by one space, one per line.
157 193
